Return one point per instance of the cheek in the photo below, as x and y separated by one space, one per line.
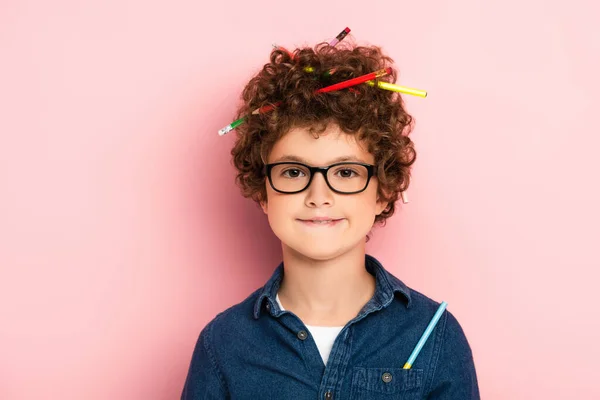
278 208
365 203
281 208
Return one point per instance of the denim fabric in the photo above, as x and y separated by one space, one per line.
253 350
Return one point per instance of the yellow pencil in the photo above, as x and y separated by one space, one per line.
398 88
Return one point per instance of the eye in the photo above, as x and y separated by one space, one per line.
346 173
292 173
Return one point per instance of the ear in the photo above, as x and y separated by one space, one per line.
381 205
263 205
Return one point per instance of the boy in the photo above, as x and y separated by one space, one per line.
331 322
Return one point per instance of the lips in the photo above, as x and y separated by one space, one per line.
321 219
320 222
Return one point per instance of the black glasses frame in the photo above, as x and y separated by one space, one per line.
371 171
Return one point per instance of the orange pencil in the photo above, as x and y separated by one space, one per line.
284 49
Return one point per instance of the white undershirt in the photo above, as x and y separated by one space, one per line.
324 336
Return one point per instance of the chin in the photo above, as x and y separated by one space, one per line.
317 250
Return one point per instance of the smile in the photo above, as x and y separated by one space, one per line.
326 223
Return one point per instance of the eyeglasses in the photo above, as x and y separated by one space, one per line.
344 178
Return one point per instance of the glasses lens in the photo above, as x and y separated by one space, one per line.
289 177
348 178
345 178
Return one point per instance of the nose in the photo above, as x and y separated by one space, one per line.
318 192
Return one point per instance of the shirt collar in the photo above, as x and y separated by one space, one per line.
386 285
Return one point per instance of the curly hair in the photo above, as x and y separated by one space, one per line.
378 117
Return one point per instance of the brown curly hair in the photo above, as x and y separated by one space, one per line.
377 116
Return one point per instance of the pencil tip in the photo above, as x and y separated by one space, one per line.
225 130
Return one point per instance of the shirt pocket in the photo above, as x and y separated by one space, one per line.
386 383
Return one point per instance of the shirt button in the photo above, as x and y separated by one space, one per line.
268 306
328 395
386 377
302 335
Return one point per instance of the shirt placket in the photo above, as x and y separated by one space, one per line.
331 376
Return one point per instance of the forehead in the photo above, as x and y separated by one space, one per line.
330 146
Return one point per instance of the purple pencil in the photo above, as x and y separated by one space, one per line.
340 37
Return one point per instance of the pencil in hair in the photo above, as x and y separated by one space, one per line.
356 81
340 37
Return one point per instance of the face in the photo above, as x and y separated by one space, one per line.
288 213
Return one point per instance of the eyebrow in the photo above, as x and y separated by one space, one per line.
290 157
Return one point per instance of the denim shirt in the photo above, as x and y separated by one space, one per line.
254 350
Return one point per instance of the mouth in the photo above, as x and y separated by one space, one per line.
324 223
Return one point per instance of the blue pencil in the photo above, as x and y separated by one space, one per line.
425 336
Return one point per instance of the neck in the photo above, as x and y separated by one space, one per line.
326 292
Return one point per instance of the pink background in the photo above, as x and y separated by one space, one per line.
122 232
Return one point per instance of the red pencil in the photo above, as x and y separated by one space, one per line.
331 88
337 86
356 81
264 109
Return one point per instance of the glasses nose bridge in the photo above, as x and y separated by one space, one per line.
322 170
